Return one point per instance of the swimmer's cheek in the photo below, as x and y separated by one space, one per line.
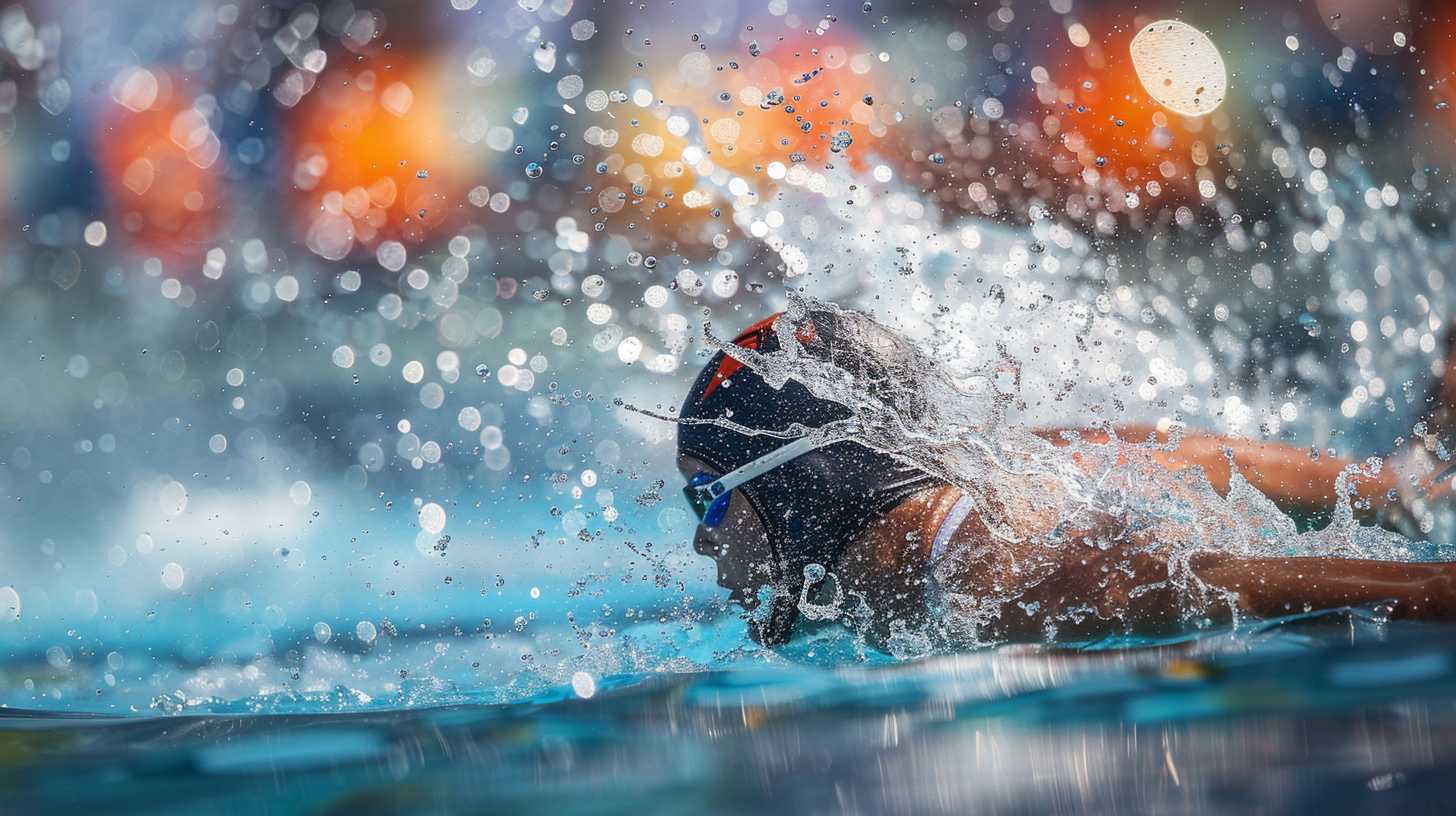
705 544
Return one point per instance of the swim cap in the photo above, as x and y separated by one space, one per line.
815 504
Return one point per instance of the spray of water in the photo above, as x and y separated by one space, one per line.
1038 498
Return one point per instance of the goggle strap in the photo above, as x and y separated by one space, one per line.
752 470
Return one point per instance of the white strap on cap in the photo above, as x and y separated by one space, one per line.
733 478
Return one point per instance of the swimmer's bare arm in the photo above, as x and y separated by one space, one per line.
1289 476
1270 587
1089 591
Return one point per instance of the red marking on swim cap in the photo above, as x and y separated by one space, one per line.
751 338
726 369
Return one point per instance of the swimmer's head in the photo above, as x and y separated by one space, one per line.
764 532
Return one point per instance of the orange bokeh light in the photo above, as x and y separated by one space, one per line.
819 89
157 158
793 104
376 147
1105 119
1437 52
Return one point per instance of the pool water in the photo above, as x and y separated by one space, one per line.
1337 712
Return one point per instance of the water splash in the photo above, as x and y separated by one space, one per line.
1039 499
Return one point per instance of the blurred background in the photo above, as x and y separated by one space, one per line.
319 321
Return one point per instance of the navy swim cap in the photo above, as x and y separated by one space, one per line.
814 505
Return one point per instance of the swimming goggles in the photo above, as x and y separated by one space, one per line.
708 495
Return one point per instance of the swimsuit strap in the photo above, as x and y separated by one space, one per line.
952 522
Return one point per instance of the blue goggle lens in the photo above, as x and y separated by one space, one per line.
710 512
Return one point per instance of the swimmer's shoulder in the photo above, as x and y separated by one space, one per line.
906 535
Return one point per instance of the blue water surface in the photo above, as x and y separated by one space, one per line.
1340 712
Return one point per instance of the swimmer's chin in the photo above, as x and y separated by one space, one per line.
738 594
749 601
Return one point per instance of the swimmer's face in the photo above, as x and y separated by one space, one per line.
739 544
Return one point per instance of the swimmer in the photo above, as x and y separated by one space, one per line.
775 495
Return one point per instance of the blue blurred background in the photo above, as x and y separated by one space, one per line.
316 319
